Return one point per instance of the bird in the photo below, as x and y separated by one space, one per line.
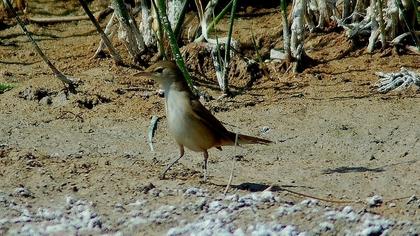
189 122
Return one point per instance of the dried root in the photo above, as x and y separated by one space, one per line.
397 81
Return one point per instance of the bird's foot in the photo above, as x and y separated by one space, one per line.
205 177
162 175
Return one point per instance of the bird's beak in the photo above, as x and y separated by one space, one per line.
148 72
144 74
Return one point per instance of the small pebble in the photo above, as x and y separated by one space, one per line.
326 226
23 192
265 129
374 201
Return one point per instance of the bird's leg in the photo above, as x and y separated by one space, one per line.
206 156
181 154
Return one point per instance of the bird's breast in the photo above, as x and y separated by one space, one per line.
186 128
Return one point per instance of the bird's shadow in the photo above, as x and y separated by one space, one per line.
259 187
349 169
362 169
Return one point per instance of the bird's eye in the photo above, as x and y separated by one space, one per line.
159 70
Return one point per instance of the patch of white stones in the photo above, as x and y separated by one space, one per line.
198 213
73 217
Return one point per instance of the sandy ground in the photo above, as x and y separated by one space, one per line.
80 163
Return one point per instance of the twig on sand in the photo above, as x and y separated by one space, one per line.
64 115
55 20
317 198
61 19
233 167
71 82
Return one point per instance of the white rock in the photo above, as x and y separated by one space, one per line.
326 226
194 192
215 206
277 54
374 201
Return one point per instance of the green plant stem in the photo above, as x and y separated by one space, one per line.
227 46
219 16
120 6
181 19
173 43
254 42
160 36
413 34
229 38
416 10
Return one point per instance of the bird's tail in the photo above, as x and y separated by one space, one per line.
246 139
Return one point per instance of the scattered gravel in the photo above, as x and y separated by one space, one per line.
73 217
199 213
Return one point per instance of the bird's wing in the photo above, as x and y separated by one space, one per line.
225 137
205 116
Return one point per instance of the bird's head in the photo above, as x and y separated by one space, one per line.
164 72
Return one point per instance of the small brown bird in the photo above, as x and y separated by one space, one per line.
189 122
